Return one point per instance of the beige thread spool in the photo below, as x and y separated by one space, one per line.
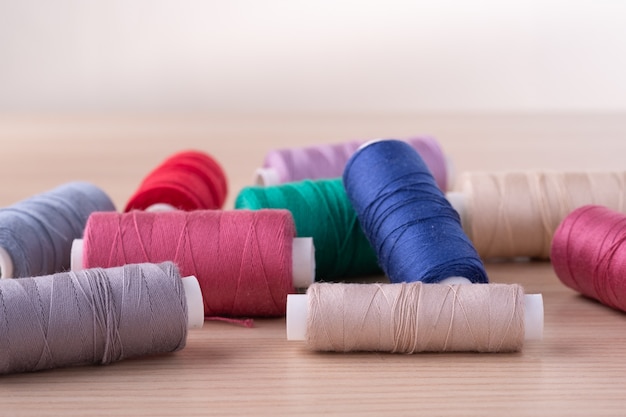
515 214
415 317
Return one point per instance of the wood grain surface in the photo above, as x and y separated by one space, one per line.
579 369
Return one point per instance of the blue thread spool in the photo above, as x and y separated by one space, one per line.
416 233
36 234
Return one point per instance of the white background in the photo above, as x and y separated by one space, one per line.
312 56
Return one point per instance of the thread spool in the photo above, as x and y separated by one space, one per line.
328 161
95 316
246 261
36 234
320 209
415 232
515 214
589 255
414 317
189 180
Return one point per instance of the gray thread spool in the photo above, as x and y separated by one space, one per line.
36 234
96 316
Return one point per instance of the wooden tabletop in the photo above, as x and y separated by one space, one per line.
579 369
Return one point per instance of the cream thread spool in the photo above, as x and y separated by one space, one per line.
299 321
515 214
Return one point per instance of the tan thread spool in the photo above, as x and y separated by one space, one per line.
515 214
416 317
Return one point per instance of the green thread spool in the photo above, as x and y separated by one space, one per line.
321 210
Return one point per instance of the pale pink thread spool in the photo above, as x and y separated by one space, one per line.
414 317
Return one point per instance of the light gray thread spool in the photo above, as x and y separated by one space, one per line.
36 234
95 316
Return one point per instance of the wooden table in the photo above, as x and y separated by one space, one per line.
579 369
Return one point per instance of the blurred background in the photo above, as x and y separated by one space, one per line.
331 57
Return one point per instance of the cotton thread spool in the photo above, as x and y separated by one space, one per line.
414 317
96 316
189 180
415 232
36 234
328 161
246 261
515 214
320 209
588 254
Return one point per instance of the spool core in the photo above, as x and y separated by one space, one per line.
266 177
195 304
6 264
160 207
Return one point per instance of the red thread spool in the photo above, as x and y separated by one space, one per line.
189 180
242 259
589 254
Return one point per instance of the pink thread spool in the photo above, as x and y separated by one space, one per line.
245 261
328 161
588 254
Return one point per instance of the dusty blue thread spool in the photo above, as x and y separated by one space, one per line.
36 234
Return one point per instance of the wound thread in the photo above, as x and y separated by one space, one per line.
241 258
415 232
329 161
189 180
588 254
96 316
321 210
515 214
37 233
415 317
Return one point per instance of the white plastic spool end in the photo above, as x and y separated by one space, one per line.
457 201
450 173
303 260
6 264
266 177
533 317
369 142
76 260
160 207
455 280
297 316
195 304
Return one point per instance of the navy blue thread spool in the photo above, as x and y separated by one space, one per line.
416 233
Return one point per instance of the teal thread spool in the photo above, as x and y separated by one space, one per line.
320 209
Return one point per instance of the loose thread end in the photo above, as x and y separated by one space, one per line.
248 323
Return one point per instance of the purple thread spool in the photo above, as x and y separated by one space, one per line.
328 161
